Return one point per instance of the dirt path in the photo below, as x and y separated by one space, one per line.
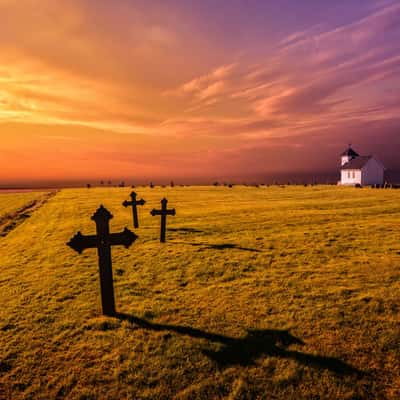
10 221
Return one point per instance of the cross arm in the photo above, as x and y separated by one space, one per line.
155 212
171 212
81 242
127 203
124 238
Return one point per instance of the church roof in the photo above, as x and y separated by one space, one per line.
350 152
357 163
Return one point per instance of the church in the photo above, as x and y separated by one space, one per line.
360 170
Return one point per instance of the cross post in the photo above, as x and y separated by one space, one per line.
163 212
103 240
134 203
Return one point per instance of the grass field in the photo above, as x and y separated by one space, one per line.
269 293
12 202
15 208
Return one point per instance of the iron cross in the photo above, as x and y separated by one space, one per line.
134 203
103 241
163 212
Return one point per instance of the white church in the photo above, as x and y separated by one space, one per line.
361 170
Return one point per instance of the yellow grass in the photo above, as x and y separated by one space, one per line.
11 202
287 293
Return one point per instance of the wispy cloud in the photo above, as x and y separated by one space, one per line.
313 76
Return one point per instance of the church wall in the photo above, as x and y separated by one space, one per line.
351 177
373 173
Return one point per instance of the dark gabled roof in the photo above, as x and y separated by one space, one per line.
357 163
350 152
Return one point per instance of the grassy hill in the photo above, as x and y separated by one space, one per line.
270 293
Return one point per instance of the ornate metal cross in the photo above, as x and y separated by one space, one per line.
103 241
134 203
163 212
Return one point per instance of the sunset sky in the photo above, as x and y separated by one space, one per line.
194 90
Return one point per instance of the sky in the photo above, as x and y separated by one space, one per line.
195 90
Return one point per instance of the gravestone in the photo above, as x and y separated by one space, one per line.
163 212
134 203
103 241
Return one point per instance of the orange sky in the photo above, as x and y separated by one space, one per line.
117 90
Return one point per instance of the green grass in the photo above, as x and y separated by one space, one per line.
270 293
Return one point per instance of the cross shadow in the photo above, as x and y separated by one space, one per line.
219 246
223 246
245 351
185 230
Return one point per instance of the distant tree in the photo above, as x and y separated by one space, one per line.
88 185
216 183
101 183
151 185
172 184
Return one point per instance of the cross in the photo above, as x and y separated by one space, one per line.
134 203
163 212
103 241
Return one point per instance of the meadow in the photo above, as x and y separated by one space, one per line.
12 202
259 293
16 207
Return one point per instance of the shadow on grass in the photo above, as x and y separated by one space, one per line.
185 230
245 351
219 246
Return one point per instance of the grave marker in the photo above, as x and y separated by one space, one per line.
134 203
163 212
103 240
